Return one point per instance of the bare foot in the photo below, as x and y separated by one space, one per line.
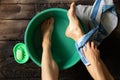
47 28
73 31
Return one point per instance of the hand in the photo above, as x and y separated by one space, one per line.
91 52
97 68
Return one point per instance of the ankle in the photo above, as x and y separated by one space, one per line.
79 35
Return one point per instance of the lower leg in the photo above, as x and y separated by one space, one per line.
49 67
74 31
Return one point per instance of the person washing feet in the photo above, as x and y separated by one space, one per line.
50 71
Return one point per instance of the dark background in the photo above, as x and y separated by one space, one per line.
14 17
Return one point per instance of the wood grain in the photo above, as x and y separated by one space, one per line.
8 65
47 1
6 49
12 29
17 11
19 1
36 1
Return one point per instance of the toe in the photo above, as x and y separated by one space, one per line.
51 23
71 11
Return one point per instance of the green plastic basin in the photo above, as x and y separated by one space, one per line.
63 48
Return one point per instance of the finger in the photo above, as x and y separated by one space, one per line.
88 44
84 50
97 49
52 20
92 44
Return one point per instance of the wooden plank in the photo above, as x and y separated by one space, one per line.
59 1
19 1
12 29
35 1
20 11
40 7
12 70
47 1
6 52
6 48
8 1
9 68
32 1
17 11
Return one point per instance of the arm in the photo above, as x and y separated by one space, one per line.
97 68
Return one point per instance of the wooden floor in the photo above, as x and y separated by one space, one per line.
14 17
